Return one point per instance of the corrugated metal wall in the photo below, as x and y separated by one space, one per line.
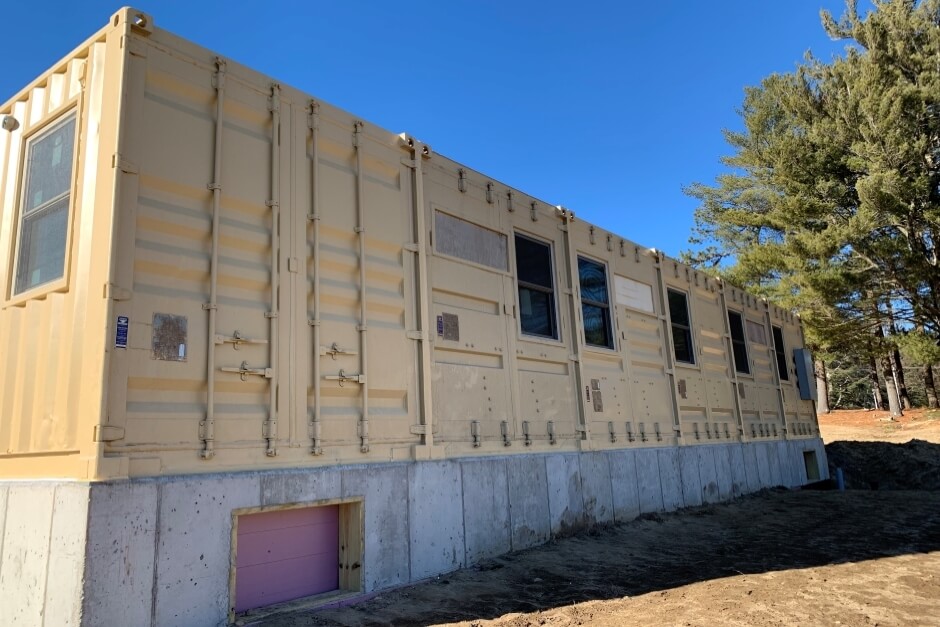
52 359
365 300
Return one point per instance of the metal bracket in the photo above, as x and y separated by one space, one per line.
118 161
334 350
243 371
113 292
108 433
342 377
416 335
237 339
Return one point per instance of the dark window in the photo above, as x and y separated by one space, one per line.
779 351
595 304
536 287
45 206
681 327
738 343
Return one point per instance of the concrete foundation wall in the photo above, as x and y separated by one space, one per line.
42 552
157 551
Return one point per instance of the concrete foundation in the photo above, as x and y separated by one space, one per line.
158 551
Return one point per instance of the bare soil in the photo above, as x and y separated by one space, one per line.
866 556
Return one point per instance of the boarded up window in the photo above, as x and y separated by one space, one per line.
468 241
756 332
634 294
169 337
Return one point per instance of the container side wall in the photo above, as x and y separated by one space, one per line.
267 255
318 340
53 332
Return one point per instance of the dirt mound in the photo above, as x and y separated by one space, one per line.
914 465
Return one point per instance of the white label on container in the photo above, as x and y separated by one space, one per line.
634 294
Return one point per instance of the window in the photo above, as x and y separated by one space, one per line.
681 327
780 352
468 241
738 343
536 288
756 333
595 303
45 206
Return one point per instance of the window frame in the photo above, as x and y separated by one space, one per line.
780 353
742 319
553 292
70 109
686 328
606 307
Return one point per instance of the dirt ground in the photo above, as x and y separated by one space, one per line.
877 426
868 556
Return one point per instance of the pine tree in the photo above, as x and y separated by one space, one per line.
832 201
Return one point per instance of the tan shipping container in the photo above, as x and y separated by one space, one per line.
207 271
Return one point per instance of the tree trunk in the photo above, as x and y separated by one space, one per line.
931 390
822 388
876 394
899 375
887 371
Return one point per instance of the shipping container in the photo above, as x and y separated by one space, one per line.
230 309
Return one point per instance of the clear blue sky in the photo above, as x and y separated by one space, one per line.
608 108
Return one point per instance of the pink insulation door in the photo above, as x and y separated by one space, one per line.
286 554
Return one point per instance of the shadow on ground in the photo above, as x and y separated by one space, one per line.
771 531
914 465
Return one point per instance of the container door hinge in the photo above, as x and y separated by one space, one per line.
244 371
509 310
410 247
335 349
416 335
292 264
409 163
113 292
580 429
342 377
574 358
237 339
418 429
108 433
122 164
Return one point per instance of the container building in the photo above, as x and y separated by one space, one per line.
255 348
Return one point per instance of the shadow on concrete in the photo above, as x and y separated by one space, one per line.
774 530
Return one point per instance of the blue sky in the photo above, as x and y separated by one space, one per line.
608 108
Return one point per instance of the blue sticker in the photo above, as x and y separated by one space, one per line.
440 325
120 336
